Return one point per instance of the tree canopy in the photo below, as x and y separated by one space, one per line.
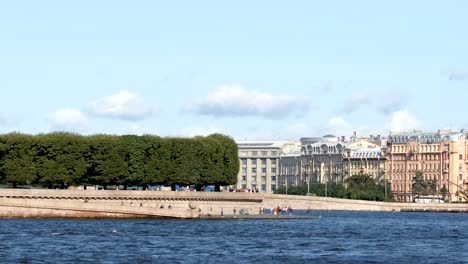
359 187
66 159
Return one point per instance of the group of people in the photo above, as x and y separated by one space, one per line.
251 190
277 210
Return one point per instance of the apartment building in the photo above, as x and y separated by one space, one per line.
441 155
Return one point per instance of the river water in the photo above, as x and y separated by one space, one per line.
338 237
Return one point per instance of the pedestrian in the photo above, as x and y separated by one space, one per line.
234 210
222 212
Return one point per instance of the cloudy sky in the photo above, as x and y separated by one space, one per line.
249 69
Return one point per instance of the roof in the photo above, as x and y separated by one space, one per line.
429 137
261 144
367 153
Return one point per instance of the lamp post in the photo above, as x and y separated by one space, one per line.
308 178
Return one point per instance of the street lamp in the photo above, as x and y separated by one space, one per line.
308 178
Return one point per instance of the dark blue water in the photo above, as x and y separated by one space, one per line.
338 237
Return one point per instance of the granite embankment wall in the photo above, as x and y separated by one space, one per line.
152 204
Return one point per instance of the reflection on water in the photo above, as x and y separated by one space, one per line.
352 236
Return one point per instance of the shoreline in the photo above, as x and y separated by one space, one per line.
92 204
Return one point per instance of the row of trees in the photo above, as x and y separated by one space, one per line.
358 187
421 186
64 159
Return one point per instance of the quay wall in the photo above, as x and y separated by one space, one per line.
165 204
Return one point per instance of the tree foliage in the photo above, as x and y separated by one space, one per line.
421 186
359 187
65 159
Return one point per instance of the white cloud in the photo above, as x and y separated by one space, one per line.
403 121
338 126
198 131
67 120
356 101
236 101
296 130
389 104
123 105
135 129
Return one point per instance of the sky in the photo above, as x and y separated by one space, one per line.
250 69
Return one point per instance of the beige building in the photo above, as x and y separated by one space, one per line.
290 169
259 165
364 157
441 155
321 159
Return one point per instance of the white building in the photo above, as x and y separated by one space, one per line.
260 164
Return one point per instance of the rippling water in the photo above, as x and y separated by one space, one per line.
345 237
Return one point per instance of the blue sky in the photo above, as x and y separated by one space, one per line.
249 69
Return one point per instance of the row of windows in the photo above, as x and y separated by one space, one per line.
398 178
422 148
424 166
255 153
262 161
254 170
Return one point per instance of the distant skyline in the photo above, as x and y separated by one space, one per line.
248 69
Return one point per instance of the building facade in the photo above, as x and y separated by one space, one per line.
322 160
259 165
441 156
364 157
290 170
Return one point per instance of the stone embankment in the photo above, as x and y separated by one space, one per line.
161 204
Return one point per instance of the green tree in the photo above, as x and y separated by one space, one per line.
444 191
107 160
61 159
134 148
433 186
364 187
157 156
18 162
228 160
419 185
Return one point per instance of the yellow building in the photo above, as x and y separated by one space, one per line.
363 157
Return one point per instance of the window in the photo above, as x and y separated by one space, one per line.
263 188
274 153
264 153
273 170
254 178
263 170
273 178
460 157
244 170
254 170
263 161
243 153
244 178
254 153
273 188
244 162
